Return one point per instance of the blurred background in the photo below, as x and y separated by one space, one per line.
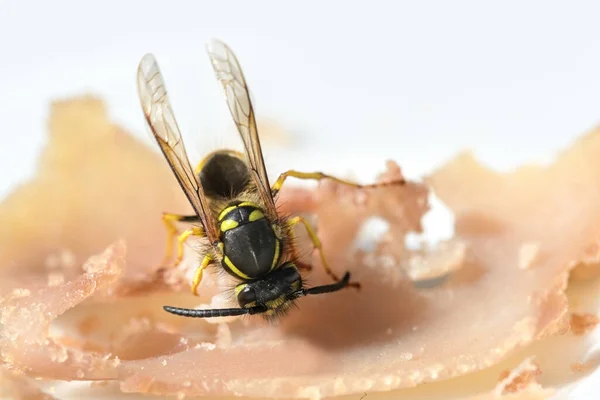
353 83
412 81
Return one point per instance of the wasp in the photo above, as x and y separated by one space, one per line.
233 201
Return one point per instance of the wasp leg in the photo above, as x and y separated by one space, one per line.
317 176
198 275
194 231
317 245
169 221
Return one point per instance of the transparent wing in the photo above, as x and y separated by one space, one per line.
159 115
230 76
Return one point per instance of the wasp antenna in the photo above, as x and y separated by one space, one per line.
212 313
334 287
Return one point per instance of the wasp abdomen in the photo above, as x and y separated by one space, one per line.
223 174
250 247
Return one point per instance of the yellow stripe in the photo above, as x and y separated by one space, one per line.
239 288
202 163
228 224
256 215
234 269
276 256
248 203
225 211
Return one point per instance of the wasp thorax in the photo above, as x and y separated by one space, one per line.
250 246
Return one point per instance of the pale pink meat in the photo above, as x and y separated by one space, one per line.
518 235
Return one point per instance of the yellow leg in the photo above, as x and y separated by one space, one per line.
319 176
194 231
169 221
198 275
317 245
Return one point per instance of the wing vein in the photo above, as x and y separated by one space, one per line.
229 74
161 120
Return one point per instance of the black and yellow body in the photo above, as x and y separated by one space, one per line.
234 203
250 247
254 250
249 243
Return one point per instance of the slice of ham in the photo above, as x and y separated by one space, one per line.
518 235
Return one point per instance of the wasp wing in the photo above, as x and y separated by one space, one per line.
230 76
159 115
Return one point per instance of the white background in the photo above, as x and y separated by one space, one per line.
413 81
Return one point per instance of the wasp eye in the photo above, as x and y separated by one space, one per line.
246 296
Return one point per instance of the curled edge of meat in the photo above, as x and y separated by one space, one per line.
520 383
26 315
332 354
